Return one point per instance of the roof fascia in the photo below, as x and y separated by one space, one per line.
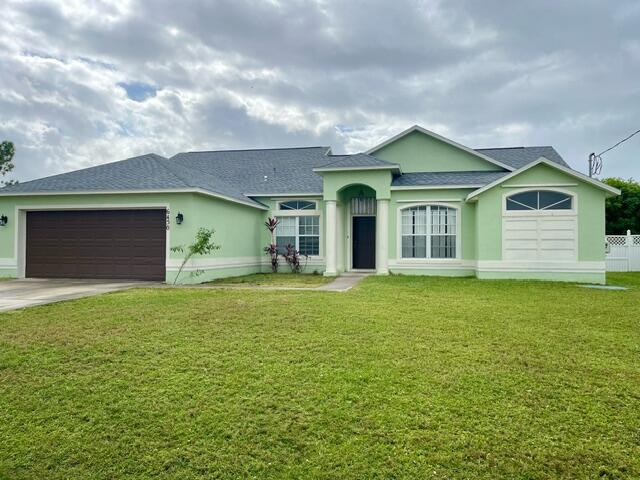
120 192
394 167
433 187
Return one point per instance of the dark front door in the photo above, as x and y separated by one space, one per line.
126 244
364 242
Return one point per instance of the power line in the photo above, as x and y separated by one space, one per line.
620 142
595 161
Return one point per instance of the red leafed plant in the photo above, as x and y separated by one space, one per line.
292 257
272 249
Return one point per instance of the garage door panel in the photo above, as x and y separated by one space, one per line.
540 238
119 244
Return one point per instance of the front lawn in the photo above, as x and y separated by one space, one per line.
401 377
276 280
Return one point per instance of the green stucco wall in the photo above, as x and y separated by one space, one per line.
591 212
237 226
418 152
378 180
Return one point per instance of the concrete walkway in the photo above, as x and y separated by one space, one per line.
344 282
30 292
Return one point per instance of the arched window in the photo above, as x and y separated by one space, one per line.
540 200
429 231
298 205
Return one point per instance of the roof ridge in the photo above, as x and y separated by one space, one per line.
355 155
458 171
252 149
514 148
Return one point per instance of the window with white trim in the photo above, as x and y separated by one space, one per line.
429 231
540 200
300 231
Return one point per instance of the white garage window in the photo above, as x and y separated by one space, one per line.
539 225
539 200
429 231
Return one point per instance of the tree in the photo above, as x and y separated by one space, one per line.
7 151
202 245
623 211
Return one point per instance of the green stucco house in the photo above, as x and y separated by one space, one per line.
417 204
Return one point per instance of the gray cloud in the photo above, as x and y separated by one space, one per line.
85 84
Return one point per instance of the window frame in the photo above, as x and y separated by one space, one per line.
455 260
534 213
302 213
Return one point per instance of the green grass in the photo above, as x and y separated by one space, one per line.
402 377
276 280
625 279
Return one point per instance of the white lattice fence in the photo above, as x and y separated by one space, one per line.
623 253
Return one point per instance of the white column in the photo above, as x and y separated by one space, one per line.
382 237
331 238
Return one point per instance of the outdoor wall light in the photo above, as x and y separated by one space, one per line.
179 218
3 220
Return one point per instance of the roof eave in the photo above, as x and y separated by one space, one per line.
393 168
201 191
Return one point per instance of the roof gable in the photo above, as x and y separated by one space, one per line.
562 170
420 150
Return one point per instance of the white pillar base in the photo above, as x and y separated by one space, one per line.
331 239
382 237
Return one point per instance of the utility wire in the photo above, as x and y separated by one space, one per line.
619 143
595 161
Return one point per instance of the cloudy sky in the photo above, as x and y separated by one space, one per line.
83 83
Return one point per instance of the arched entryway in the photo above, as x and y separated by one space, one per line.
359 203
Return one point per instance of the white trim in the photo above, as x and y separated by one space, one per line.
540 266
134 192
297 213
349 169
20 241
8 263
433 187
545 161
427 261
540 185
573 211
417 128
442 264
173 264
431 200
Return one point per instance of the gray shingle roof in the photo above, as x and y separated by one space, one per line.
356 160
262 171
238 173
518 157
146 172
479 178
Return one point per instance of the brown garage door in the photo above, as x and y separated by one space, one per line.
124 244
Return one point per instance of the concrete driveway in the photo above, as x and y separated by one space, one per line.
30 292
